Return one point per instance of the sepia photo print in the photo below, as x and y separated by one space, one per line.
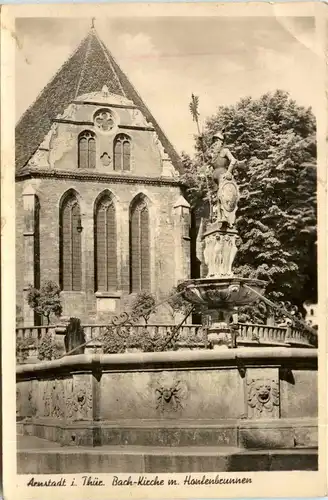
166 248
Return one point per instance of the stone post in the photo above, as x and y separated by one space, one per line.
74 337
29 204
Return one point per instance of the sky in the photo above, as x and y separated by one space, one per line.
220 59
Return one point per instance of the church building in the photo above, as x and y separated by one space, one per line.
99 207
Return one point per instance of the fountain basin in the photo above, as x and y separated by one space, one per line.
222 293
177 405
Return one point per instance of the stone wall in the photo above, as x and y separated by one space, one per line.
250 394
54 170
165 235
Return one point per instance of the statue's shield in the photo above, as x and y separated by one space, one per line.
229 196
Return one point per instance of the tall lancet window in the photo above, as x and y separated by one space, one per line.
105 245
87 150
139 246
70 244
122 152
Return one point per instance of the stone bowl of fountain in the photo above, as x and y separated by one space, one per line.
221 291
224 292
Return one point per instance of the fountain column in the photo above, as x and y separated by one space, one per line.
220 243
220 291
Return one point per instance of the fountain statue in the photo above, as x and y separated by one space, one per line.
227 191
221 291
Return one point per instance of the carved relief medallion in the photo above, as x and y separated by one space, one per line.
53 399
78 401
263 397
169 398
228 197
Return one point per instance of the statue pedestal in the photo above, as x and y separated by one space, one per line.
220 248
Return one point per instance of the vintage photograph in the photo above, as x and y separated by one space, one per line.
166 246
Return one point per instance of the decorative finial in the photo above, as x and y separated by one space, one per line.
93 23
105 91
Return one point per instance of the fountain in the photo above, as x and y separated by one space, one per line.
221 291
185 411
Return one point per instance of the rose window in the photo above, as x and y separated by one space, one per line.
104 120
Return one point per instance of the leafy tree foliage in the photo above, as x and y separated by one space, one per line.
48 349
127 337
22 349
274 140
143 306
45 301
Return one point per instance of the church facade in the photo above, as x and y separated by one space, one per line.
99 207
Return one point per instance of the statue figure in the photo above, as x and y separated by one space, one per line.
218 254
206 255
227 247
223 163
222 158
211 253
235 243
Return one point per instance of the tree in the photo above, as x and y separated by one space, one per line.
48 349
143 306
119 339
179 307
274 140
46 300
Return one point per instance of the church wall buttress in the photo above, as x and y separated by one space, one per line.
30 233
182 247
20 265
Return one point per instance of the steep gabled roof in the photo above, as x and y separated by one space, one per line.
89 68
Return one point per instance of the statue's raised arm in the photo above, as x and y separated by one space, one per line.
232 161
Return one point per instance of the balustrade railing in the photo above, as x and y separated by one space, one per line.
35 333
190 336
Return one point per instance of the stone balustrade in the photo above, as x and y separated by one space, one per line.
33 332
28 340
274 335
190 336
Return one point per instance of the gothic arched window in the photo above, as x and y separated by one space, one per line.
122 152
105 245
70 244
139 246
87 150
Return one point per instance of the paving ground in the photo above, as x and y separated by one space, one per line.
32 443
38 456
